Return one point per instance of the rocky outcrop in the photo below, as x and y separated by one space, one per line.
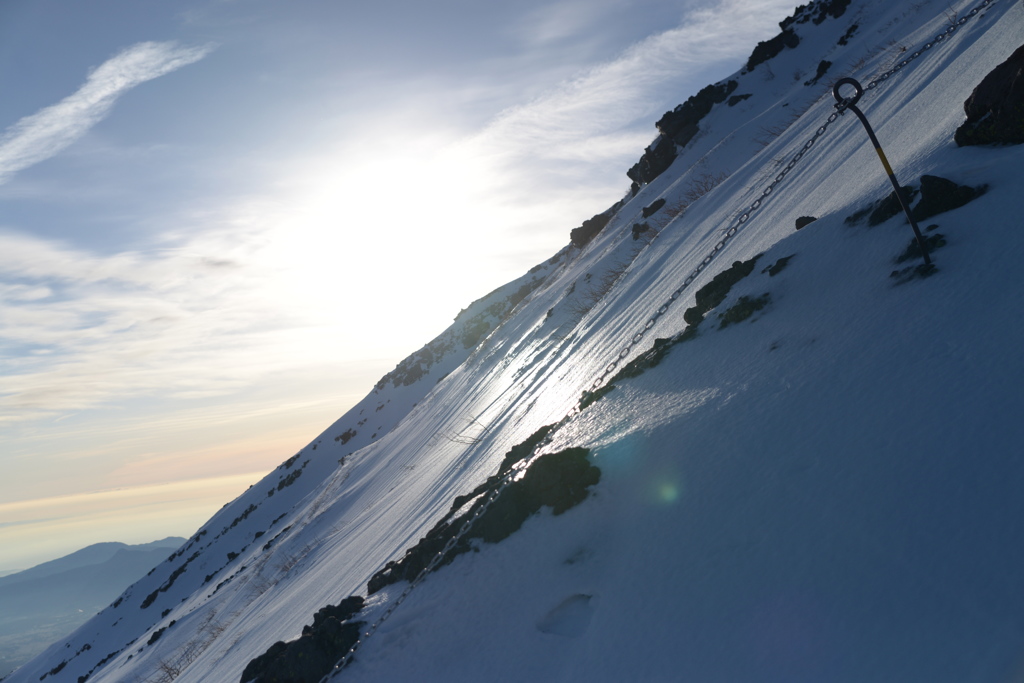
582 235
653 207
678 127
939 195
557 480
995 110
816 12
768 49
680 124
656 159
311 656
714 292
823 67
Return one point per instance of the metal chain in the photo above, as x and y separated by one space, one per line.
736 225
745 216
950 30
731 232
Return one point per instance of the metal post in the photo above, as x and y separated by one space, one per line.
842 105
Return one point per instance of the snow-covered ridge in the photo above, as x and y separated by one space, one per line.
821 486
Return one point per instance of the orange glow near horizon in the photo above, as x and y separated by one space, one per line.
45 528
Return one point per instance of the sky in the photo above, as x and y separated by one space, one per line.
221 221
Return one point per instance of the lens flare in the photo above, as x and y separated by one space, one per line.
667 492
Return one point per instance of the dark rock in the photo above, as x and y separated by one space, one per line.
475 330
995 110
657 157
582 235
889 207
939 195
823 66
849 34
343 611
816 12
310 657
650 358
639 229
346 436
515 454
258 665
803 221
736 99
680 124
677 128
714 292
913 250
653 207
768 49
590 397
559 480
882 210
414 367
778 266
744 307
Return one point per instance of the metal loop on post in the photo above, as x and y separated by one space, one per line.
842 102
851 104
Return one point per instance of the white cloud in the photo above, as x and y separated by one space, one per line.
268 285
607 100
85 328
50 130
23 292
563 19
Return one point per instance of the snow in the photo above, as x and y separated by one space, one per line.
826 491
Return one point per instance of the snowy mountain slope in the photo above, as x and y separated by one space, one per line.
826 490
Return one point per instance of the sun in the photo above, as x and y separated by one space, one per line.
383 243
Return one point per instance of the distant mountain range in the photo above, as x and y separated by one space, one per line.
50 600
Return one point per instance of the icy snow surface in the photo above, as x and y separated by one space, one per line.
829 490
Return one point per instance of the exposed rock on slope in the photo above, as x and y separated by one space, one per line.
556 480
314 653
678 127
582 235
995 110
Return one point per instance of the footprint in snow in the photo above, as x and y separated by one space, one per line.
570 618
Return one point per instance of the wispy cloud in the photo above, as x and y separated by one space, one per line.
78 328
563 19
50 130
606 102
205 316
268 286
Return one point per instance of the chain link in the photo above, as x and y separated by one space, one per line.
731 232
737 224
939 38
742 219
